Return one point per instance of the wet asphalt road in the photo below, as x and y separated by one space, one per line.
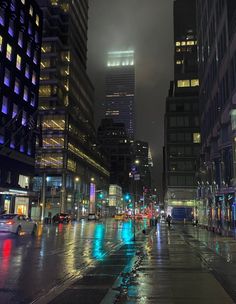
32 266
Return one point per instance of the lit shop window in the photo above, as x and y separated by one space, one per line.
1 43
37 20
7 77
196 138
26 93
9 52
17 86
18 62
45 63
194 82
71 165
24 118
31 12
50 160
15 110
53 122
183 83
46 48
53 142
45 91
4 105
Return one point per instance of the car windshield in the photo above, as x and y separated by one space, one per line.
7 216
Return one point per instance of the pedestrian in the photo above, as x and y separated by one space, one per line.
168 219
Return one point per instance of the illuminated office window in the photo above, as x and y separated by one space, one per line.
178 50
26 93
177 43
28 51
51 160
196 138
183 43
11 28
18 62
4 105
27 72
54 122
178 62
71 165
17 86
37 20
183 83
53 142
194 82
15 110
23 1
46 48
65 56
24 118
2 17
34 77
20 39
190 42
1 43
45 91
9 52
31 12
45 63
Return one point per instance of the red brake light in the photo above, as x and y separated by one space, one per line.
10 222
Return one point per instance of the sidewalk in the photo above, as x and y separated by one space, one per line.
168 266
169 271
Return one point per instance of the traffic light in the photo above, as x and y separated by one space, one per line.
127 196
100 195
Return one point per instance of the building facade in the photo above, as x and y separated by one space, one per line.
20 46
114 142
120 89
69 166
217 72
182 130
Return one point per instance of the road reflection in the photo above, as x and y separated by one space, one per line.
54 254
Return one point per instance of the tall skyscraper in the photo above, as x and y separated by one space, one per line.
67 157
182 134
20 44
217 72
120 89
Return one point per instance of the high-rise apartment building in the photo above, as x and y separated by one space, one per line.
217 71
69 166
20 44
182 134
120 89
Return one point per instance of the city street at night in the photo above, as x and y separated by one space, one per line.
98 262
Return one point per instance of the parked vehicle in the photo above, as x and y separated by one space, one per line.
15 223
61 218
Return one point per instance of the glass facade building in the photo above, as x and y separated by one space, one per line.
67 158
20 47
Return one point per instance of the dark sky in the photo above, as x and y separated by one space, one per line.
147 27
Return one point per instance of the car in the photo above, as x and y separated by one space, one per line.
17 223
120 217
61 218
92 216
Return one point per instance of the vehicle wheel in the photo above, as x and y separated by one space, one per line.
18 231
34 230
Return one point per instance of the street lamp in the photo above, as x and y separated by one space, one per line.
76 181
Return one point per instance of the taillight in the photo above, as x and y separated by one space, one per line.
10 222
